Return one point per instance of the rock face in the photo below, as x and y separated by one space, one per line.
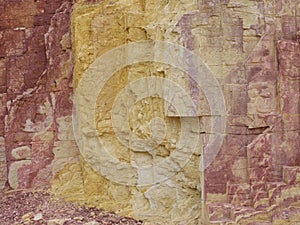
148 117
36 90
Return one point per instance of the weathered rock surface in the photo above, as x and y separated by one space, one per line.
147 165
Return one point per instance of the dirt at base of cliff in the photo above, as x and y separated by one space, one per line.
41 207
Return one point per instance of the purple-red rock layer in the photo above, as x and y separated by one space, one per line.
35 85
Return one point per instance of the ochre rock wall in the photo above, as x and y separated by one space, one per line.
251 48
36 75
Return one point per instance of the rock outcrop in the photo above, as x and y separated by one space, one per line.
157 105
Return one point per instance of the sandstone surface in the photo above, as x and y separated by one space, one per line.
137 134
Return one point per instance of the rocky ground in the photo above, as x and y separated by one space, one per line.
40 207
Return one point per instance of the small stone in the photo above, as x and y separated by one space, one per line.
56 221
79 218
92 223
38 216
27 217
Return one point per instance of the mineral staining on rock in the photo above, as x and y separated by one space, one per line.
99 28
36 70
251 47
236 39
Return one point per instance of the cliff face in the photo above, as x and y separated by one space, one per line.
36 73
149 116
